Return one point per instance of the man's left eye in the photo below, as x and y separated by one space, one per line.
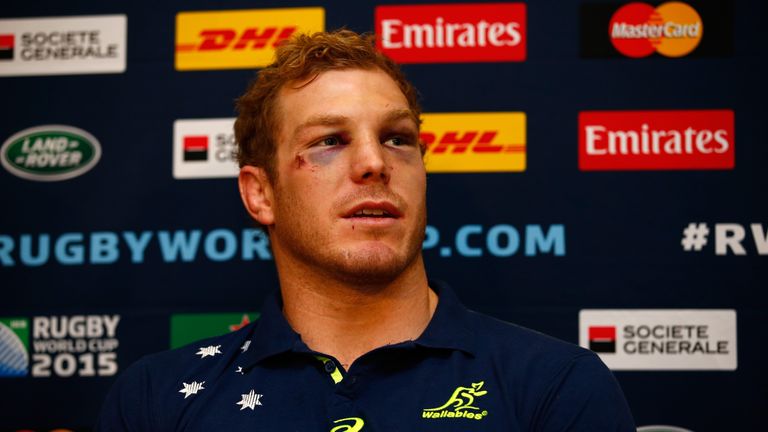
396 141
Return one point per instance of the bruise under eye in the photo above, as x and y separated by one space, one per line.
323 154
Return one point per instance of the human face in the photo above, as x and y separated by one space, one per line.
349 198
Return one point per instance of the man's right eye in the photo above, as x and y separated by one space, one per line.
330 141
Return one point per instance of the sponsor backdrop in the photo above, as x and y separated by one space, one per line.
596 172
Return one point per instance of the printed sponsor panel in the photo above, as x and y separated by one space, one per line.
499 240
204 148
237 39
474 142
188 328
656 140
249 244
50 153
661 339
63 45
453 33
14 347
111 247
729 238
670 29
61 346
7 45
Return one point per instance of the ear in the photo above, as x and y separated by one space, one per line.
257 194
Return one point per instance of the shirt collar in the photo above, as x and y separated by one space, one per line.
272 334
448 328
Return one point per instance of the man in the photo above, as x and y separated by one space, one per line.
358 339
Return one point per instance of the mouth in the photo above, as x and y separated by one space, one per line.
373 210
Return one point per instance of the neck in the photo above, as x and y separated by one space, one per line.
347 320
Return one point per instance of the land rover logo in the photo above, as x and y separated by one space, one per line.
50 153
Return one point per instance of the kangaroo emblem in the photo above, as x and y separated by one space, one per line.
463 398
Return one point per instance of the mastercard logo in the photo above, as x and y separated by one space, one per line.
673 29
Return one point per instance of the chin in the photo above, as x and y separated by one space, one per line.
371 265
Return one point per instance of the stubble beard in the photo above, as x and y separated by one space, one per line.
365 267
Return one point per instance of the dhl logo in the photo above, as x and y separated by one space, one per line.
239 39
221 39
474 142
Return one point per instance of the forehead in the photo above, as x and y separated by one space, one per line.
352 93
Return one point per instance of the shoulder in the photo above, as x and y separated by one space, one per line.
201 358
509 340
202 354
521 353
145 394
558 383
543 363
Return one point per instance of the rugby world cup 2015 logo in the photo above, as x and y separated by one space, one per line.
14 347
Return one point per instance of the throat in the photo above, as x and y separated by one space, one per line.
348 328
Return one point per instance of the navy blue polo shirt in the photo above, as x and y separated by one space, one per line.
466 372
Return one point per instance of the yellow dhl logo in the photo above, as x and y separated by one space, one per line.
239 39
474 142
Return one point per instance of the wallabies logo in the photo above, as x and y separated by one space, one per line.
461 404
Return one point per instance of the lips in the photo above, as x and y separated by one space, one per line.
373 210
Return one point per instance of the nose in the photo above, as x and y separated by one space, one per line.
369 162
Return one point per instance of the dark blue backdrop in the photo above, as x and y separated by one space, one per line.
622 228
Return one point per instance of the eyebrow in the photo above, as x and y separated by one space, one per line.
335 120
400 114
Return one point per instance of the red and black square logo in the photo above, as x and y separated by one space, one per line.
6 46
602 339
195 148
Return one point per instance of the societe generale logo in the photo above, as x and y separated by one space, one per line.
656 140
673 29
239 39
6 46
452 33
474 142
65 45
661 339
204 148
